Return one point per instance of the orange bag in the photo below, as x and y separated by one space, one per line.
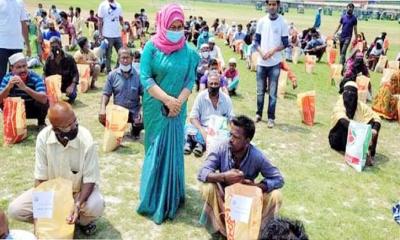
329 43
57 226
331 55
125 38
84 77
282 82
306 103
116 124
362 83
336 76
236 229
53 88
46 50
14 120
310 61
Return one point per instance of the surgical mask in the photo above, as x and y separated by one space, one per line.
56 50
205 54
68 136
126 27
125 68
174 36
136 66
213 91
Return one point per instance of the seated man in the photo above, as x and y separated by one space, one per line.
207 103
69 29
203 64
68 151
63 64
50 32
284 228
238 40
6 233
28 85
354 65
86 56
124 84
213 66
376 51
316 46
232 77
238 161
215 52
349 108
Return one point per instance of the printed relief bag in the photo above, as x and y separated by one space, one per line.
53 88
358 139
217 131
243 211
116 124
84 77
59 206
14 120
306 103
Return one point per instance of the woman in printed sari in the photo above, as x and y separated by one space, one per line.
387 99
167 72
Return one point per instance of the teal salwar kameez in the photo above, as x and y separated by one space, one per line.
162 187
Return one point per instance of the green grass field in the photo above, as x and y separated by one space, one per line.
332 200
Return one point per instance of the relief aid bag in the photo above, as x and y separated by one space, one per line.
84 77
14 118
116 124
217 131
306 103
362 83
243 211
358 138
53 88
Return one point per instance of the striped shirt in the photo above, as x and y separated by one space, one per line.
34 82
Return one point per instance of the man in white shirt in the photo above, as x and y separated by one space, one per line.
110 21
215 52
13 31
271 39
68 151
208 102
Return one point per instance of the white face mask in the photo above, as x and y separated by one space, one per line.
205 54
125 68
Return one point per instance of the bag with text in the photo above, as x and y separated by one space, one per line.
306 103
310 61
14 120
53 89
52 224
362 83
282 83
84 77
116 124
358 138
243 211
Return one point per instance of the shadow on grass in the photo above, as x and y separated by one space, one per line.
78 104
292 128
105 230
290 96
380 160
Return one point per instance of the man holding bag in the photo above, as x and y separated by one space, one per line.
238 161
28 85
66 150
349 108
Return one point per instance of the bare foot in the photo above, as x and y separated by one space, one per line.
370 161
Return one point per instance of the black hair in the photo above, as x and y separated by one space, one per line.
82 41
142 10
71 8
212 62
137 15
63 15
240 25
78 9
246 124
283 228
350 5
91 11
277 1
206 28
44 14
136 54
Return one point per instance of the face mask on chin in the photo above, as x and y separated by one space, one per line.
125 68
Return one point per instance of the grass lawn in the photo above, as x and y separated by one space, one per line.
333 200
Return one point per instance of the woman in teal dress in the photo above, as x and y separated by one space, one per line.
167 73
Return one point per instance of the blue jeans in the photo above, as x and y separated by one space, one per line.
4 55
270 76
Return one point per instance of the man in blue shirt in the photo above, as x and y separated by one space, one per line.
124 84
238 161
28 85
51 32
238 40
316 46
348 23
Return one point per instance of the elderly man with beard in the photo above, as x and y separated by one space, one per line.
208 103
28 85
66 150
349 108
238 161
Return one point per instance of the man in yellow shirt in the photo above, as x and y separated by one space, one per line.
64 150
86 56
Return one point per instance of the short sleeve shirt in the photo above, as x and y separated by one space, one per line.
12 12
126 92
348 22
34 82
49 34
110 16
271 32
82 58
77 161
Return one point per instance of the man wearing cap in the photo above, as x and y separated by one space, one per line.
272 36
28 85
63 64
13 31
86 56
212 101
215 52
349 108
50 32
232 76
203 64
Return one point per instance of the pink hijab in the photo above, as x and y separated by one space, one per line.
164 19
